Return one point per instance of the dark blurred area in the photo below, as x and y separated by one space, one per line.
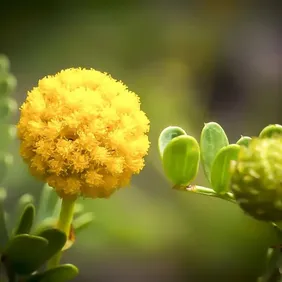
191 62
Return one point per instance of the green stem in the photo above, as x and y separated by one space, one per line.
64 224
206 191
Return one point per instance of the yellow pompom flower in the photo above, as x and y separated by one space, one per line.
83 133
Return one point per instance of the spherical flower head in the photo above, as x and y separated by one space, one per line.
83 133
257 179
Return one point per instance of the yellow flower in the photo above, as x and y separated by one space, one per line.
83 133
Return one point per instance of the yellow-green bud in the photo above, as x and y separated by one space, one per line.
257 179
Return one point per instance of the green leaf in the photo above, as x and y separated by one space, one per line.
56 240
271 130
4 238
8 107
24 253
62 273
8 134
167 135
181 159
213 138
83 221
221 172
5 161
8 83
244 141
26 220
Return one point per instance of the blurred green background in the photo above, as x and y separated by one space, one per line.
191 62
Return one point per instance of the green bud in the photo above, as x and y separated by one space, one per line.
4 63
8 84
181 159
271 130
256 179
213 138
244 141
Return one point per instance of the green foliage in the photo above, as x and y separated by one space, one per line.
29 247
220 172
61 273
167 135
181 159
217 156
23 252
213 138
26 220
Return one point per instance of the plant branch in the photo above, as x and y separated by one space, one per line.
206 191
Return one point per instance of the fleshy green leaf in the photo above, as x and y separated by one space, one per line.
244 141
213 138
8 83
62 273
26 220
56 240
221 172
271 130
3 229
24 253
167 135
83 221
5 161
181 159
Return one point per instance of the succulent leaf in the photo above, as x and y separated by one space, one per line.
60 273
26 220
56 241
23 253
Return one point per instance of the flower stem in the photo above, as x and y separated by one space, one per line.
64 224
206 191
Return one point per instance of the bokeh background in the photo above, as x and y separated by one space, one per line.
191 62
